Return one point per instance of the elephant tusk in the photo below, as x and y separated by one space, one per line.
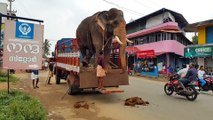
128 41
118 40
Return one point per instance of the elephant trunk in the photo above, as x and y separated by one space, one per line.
120 33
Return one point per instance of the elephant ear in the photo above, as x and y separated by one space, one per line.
100 18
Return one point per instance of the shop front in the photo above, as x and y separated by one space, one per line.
202 55
167 52
146 63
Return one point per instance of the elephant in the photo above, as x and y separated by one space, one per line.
96 32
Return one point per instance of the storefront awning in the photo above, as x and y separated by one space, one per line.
173 26
160 53
161 47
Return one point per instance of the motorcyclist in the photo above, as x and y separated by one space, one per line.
183 71
201 75
191 75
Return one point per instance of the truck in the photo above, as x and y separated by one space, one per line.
68 66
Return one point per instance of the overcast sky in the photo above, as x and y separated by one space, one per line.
61 17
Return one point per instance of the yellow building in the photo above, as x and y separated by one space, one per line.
202 53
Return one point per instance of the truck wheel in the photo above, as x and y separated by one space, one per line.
70 82
73 88
57 78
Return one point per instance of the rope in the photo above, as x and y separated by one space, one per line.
104 45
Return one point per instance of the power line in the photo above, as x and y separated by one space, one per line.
142 4
155 3
24 9
124 8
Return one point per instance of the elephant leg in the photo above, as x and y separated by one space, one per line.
90 52
89 56
84 52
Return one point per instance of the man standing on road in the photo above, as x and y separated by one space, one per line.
35 78
51 69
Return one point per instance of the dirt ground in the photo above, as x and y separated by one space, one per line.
58 104
94 106
61 106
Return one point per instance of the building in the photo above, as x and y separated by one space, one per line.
3 10
161 32
202 53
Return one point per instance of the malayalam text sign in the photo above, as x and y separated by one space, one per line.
198 51
22 45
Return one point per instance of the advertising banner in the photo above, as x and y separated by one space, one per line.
145 54
22 45
198 51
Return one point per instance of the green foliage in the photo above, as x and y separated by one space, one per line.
47 45
3 77
3 74
20 106
195 39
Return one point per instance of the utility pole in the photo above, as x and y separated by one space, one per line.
8 71
10 7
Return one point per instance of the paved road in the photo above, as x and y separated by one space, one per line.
111 107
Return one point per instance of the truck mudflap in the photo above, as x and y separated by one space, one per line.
109 90
88 78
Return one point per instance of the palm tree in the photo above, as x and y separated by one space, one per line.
46 47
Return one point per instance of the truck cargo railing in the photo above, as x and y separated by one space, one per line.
69 60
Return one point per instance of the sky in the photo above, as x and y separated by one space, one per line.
62 17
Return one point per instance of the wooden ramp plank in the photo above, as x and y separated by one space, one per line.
109 90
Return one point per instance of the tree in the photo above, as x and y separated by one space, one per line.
195 39
46 46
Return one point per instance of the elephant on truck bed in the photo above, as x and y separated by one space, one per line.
96 32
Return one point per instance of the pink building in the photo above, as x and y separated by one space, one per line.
161 31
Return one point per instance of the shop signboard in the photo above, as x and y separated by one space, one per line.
22 45
198 51
145 54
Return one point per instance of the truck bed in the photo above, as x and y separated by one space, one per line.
88 78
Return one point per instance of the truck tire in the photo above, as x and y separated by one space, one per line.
73 88
58 79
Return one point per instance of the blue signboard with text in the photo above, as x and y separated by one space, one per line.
24 30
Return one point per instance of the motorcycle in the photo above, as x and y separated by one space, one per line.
174 86
208 86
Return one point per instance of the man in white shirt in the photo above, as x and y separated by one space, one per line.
183 71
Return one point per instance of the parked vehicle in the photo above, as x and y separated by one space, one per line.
69 67
209 84
174 86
